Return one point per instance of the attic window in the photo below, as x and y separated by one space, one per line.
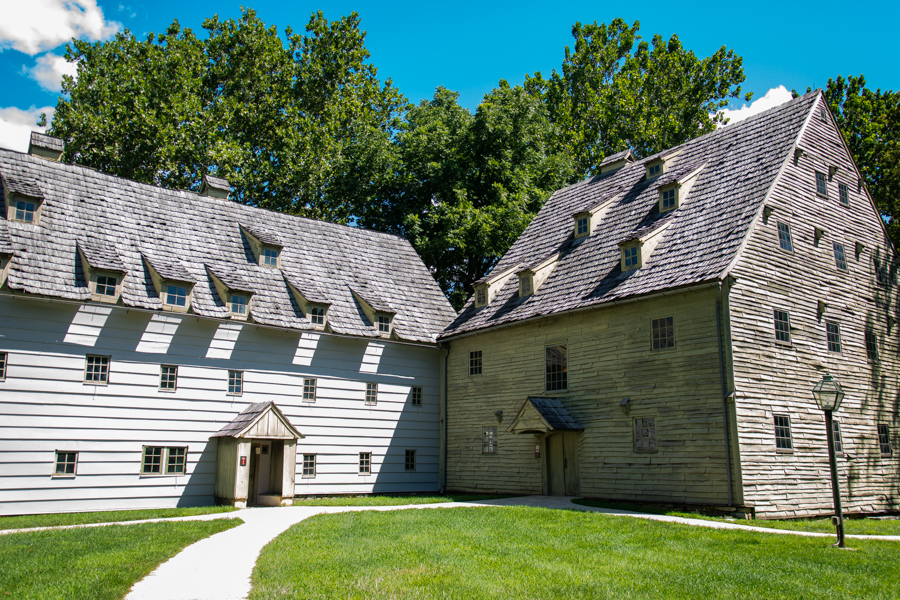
269 257
481 296
176 295
317 315
239 304
581 228
654 169
821 184
524 285
384 324
844 194
24 211
668 199
106 285
630 258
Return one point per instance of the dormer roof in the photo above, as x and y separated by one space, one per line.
101 256
23 185
309 292
616 161
372 298
168 269
701 239
231 279
6 246
264 235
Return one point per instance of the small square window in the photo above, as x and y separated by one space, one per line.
475 362
309 390
663 333
838 444
175 462
365 463
821 184
840 257
833 331
668 199
239 304
270 257
884 439
372 393
481 296
631 257
645 434
235 383
152 462
309 465
410 460
871 346
416 396
24 211
654 170
844 194
489 440
168 376
782 326
784 237
96 369
106 286
384 324
783 433
2 366
556 369
176 295
317 315
582 228
65 463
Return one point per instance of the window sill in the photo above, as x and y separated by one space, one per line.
162 475
96 383
784 450
234 394
63 476
784 344
168 391
307 477
313 401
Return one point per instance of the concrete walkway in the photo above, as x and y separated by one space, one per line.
219 567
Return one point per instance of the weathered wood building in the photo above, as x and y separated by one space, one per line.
656 332
162 348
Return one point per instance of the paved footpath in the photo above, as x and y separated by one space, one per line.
219 567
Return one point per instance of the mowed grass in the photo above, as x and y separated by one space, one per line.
520 552
851 526
391 500
93 563
112 516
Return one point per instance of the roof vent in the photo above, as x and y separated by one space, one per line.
46 146
215 187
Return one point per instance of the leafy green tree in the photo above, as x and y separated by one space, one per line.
870 123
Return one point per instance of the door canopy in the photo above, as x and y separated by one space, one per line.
543 415
262 420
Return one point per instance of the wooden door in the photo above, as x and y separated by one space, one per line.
253 488
562 464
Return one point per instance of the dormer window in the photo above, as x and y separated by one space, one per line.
24 199
103 270
239 304
668 199
581 228
384 324
106 285
524 285
481 295
631 257
270 257
317 315
24 211
654 169
176 295
266 246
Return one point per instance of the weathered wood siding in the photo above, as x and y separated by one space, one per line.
45 406
609 358
776 379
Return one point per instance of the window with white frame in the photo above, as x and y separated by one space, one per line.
96 369
663 333
833 332
410 460
365 463
176 295
3 361
309 389
871 346
489 440
309 465
161 460
317 315
844 194
372 393
645 434
840 257
782 326
235 382
821 183
66 463
631 258
416 396
106 285
475 362
269 256
668 199
384 324
555 368
783 433
24 211
784 237
239 304
838 444
168 376
884 439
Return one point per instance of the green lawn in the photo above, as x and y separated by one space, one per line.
27 521
539 553
93 563
851 526
391 500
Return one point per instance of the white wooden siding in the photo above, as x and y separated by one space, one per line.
46 406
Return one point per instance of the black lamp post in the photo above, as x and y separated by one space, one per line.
828 395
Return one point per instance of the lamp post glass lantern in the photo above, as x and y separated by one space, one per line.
828 394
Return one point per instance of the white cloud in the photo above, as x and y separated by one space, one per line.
49 69
16 126
40 25
773 98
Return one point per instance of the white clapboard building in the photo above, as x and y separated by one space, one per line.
166 348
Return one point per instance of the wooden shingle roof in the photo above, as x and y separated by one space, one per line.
703 235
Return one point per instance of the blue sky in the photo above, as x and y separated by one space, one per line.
469 47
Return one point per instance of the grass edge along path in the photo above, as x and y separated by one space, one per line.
110 516
852 526
390 500
521 552
100 563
